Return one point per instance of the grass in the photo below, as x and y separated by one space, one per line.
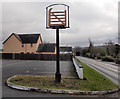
96 80
93 81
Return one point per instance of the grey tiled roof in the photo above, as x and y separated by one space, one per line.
49 47
28 38
65 49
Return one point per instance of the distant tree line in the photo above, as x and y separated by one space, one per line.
109 51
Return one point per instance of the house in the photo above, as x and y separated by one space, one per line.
65 50
22 43
47 48
1 50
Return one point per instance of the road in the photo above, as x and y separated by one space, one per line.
32 67
35 67
111 71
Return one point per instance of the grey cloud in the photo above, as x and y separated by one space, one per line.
87 19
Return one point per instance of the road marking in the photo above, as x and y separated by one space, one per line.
16 63
35 68
46 72
27 71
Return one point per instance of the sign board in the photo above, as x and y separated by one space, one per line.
57 16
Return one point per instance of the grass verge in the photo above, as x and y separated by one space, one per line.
93 81
96 81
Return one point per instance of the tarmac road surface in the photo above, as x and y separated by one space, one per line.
33 67
111 71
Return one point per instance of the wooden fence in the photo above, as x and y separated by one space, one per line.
63 57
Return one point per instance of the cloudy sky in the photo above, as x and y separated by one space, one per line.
94 19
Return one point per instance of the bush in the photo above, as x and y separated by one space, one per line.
117 61
92 56
108 59
87 55
99 57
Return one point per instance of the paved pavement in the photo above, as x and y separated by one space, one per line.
32 67
109 70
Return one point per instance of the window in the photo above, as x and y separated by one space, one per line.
22 45
31 45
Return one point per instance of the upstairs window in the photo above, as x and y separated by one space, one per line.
31 45
22 45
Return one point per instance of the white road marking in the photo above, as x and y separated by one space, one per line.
35 68
27 71
46 72
15 63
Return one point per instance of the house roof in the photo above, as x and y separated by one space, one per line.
49 47
65 49
25 38
29 38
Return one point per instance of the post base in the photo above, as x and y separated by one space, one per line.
57 77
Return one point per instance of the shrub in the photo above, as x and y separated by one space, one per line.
87 55
108 59
92 56
117 61
99 57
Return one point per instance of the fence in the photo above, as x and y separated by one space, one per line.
63 57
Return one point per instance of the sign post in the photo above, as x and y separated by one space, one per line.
57 17
57 74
